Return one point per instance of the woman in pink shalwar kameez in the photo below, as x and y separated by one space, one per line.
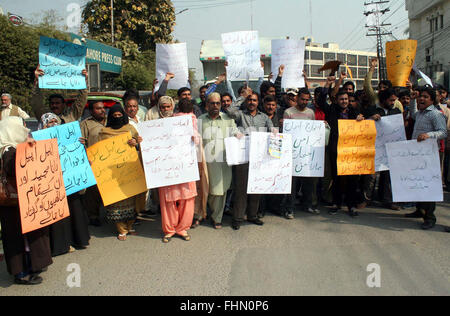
178 201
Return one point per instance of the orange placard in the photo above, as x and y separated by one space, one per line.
40 185
400 56
356 147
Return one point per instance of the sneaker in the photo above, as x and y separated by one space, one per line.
313 211
289 215
352 213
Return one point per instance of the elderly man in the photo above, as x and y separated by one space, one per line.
8 109
217 126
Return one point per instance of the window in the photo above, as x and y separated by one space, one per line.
352 60
330 56
315 71
362 72
354 71
362 61
436 24
341 58
306 54
442 21
308 71
431 26
316 55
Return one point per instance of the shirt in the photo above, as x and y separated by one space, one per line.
6 111
90 129
295 114
249 123
429 121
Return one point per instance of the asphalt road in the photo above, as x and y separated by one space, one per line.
310 255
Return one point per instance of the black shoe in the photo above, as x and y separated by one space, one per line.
236 226
353 213
95 222
447 229
416 214
261 214
31 280
256 221
428 225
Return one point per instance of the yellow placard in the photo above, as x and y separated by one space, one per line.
400 56
356 147
117 169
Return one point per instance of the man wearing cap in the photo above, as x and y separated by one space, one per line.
8 109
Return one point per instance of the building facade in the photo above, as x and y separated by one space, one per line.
316 55
429 24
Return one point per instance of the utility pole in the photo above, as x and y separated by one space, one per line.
374 25
112 21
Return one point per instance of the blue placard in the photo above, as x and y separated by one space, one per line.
77 172
62 63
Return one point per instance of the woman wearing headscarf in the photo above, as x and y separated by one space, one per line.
26 255
122 213
72 231
178 201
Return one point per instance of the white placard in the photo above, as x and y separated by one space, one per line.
172 58
168 152
424 76
237 150
269 175
243 55
291 54
415 171
390 129
308 143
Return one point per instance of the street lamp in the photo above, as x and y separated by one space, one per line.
112 21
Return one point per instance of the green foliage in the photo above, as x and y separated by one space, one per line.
137 73
138 24
19 58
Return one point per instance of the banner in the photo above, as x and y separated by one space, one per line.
291 54
308 140
356 147
117 168
400 56
40 185
172 58
390 129
62 63
243 55
237 150
415 171
168 152
75 165
269 175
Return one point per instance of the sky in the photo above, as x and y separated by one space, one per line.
339 21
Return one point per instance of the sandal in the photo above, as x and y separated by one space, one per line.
186 237
195 224
122 237
217 225
166 239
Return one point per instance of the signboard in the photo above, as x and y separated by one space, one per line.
172 58
291 54
390 129
40 185
109 58
400 56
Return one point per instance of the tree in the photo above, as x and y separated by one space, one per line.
19 57
138 24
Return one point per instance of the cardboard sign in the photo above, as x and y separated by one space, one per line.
390 129
291 54
243 55
400 56
237 150
62 63
40 185
117 168
76 169
168 152
356 147
308 139
415 171
269 175
172 58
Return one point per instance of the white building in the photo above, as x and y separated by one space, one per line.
316 55
429 24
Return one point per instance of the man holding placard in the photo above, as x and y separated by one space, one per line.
429 123
248 120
